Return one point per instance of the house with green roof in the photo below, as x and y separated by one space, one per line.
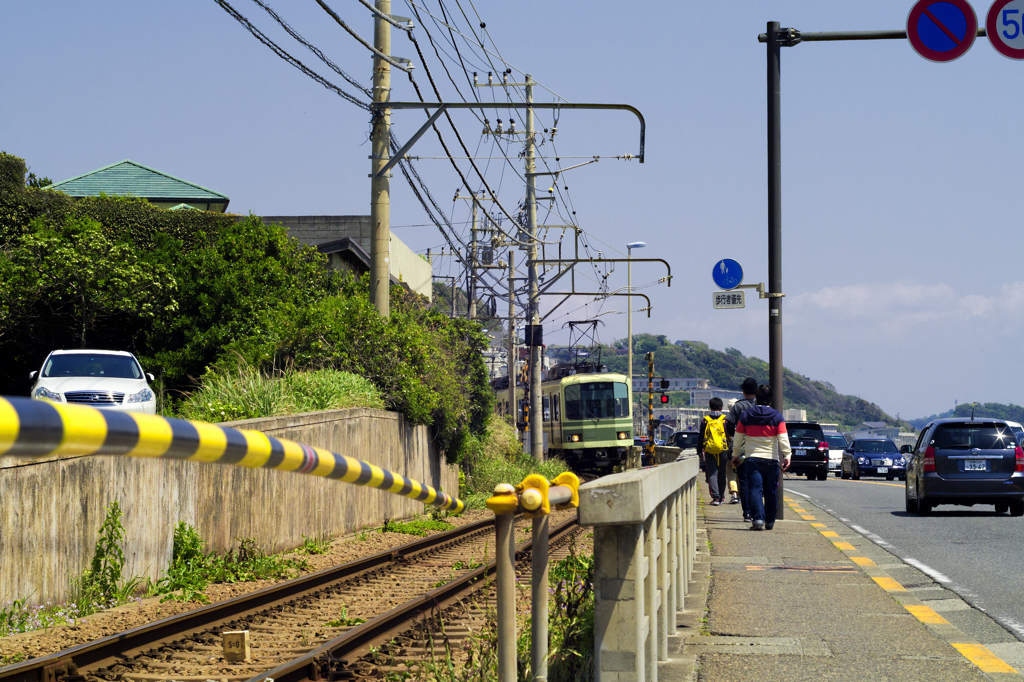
128 178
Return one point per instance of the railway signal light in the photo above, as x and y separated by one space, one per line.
664 398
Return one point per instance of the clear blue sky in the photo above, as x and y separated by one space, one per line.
902 200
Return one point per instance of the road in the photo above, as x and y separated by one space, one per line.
970 550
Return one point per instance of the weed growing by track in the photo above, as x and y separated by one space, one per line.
192 568
13 658
415 527
316 544
344 621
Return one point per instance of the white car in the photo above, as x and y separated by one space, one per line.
107 379
836 445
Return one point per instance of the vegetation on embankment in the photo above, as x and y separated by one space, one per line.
728 369
1011 412
187 290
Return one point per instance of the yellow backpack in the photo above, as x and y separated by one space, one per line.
714 435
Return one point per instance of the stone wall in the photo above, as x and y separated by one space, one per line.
51 508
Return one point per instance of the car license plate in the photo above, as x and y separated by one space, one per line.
883 470
974 465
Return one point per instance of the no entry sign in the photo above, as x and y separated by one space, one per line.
942 30
1005 27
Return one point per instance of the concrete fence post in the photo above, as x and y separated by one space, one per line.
644 525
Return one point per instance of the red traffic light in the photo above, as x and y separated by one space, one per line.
664 398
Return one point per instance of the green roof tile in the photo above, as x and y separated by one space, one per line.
130 178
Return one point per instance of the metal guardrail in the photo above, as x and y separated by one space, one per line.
33 428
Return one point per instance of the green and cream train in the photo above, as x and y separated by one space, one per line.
587 418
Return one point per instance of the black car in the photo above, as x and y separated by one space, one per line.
683 439
810 450
966 462
873 457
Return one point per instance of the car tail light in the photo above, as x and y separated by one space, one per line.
929 459
823 449
1019 466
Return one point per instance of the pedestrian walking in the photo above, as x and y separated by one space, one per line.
761 437
736 474
711 447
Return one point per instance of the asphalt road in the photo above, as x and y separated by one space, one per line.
970 550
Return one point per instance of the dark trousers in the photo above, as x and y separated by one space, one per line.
715 470
743 482
763 477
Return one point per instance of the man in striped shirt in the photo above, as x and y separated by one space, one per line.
761 437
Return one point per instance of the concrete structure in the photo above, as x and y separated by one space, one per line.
680 418
794 415
406 265
128 178
645 537
700 397
52 507
876 430
829 428
640 384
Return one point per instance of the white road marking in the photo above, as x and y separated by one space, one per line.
793 491
870 536
928 570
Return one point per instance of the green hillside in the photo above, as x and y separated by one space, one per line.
1013 413
728 369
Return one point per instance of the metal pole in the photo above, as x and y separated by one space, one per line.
471 288
629 322
513 340
380 188
537 429
506 583
650 405
539 620
774 46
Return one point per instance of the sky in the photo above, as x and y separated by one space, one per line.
901 198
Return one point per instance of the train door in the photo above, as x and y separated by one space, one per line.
556 420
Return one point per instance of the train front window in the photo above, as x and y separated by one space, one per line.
597 400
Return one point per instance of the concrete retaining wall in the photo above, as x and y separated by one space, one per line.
51 508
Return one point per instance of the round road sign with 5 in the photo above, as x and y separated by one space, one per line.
942 30
1005 27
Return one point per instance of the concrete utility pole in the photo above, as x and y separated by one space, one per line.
536 339
629 312
471 264
513 341
380 188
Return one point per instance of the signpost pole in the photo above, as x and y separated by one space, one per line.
775 227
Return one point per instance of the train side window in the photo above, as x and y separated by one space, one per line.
554 398
547 409
573 409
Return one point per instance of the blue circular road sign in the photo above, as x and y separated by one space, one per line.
942 30
727 273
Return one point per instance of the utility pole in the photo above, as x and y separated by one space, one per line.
471 264
775 372
380 187
513 341
536 336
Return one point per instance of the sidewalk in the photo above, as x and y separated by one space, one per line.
814 600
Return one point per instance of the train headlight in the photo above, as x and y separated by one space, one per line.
573 438
623 435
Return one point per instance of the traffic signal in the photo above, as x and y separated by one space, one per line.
664 398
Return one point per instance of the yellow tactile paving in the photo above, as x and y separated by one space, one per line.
799 511
926 614
863 561
807 517
846 546
829 533
818 525
889 585
983 658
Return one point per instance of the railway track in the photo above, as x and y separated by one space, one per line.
298 629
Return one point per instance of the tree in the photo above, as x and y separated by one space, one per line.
73 277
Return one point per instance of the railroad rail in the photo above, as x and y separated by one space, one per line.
101 658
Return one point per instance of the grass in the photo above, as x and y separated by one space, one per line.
316 544
241 392
344 621
500 459
418 527
192 569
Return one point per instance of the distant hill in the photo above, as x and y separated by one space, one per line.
1013 413
728 369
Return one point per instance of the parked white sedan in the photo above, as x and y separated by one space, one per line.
107 379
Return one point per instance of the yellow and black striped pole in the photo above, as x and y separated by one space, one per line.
39 428
650 406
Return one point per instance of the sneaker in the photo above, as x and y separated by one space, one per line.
769 526
758 525
747 517
734 500
715 503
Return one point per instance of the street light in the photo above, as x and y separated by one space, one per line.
629 310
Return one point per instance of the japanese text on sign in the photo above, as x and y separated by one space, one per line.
728 299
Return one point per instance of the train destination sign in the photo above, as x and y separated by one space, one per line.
728 299
1005 27
942 30
727 273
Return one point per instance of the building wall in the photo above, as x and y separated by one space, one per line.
405 264
52 507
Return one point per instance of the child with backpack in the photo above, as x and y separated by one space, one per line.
711 447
